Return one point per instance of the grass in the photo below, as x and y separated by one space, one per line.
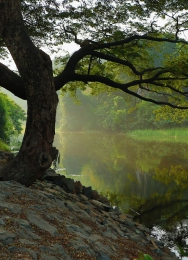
167 135
4 146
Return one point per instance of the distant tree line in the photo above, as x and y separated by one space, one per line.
113 112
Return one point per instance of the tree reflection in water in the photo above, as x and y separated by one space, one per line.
150 178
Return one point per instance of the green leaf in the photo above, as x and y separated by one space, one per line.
142 256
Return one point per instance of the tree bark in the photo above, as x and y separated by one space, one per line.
37 152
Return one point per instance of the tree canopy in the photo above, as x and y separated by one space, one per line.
123 33
112 36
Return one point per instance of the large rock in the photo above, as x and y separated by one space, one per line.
71 186
78 187
68 185
87 191
49 175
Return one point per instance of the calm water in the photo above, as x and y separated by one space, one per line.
148 180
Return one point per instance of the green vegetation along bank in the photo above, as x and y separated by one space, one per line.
179 135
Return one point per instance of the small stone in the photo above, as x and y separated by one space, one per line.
78 187
48 257
72 206
69 183
77 244
134 237
166 250
104 200
83 197
41 223
159 243
158 251
2 222
102 256
26 234
59 180
76 228
47 249
95 195
109 233
14 208
87 191
100 205
93 238
49 175
22 222
27 242
6 237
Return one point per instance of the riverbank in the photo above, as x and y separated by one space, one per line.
179 135
46 222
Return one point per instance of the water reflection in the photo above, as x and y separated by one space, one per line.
148 180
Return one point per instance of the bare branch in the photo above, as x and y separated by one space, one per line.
73 33
160 93
155 101
170 87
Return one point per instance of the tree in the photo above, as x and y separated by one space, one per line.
120 33
4 124
11 118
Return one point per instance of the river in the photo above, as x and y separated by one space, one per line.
148 180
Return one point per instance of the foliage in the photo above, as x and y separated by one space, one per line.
125 35
140 50
182 252
142 256
4 122
131 114
11 118
4 146
177 135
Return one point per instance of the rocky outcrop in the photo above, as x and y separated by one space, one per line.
46 222
60 219
71 186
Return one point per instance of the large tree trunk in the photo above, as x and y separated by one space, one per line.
36 152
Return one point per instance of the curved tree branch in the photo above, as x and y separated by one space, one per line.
172 88
116 60
161 93
111 83
136 37
124 87
155 101
12 82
